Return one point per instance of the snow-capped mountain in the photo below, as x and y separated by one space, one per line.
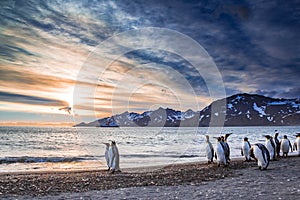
254 110
236 110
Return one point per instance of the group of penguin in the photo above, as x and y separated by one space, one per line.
112 157
262 153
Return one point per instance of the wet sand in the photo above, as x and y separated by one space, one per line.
183 181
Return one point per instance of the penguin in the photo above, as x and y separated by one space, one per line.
245 149
107 157
276 140
115 157
220 152
209 150
270 144
297 144
261 154
285 145
226 146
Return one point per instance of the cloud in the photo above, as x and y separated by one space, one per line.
30 100
254 44
24 79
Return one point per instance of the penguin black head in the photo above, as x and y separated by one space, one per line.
207 137
227 135
298 135
276 134
218 138
268 136
113 142
107 144
245 139
222 138
285 137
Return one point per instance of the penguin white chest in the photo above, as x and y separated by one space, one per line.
246 149
297 145
107 156
208 150
270 148
260 155
220 154
284 146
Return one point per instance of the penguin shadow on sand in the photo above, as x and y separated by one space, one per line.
112 157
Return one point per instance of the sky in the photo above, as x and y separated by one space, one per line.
66 61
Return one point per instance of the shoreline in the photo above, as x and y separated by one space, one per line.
39 184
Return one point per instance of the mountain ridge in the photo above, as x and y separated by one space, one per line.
241 109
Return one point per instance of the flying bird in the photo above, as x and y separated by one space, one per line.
66 109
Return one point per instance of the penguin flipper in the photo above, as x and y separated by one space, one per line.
290 146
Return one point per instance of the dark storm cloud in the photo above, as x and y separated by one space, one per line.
182 66
31 100
237 35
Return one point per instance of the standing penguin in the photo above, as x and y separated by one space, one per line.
261 154
277 143
285 145
115 157
271 147
246 149
220 152
107 157
226 146
297 144
209 150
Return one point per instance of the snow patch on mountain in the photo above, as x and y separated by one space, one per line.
229 106
260 110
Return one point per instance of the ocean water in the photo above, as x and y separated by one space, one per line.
47 148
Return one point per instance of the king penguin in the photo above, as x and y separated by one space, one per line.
115 157
220 152
261 154
285 145
209 150
297 144
226 146
270 144
277 143
107 157
245 149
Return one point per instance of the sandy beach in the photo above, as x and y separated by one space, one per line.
188 181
